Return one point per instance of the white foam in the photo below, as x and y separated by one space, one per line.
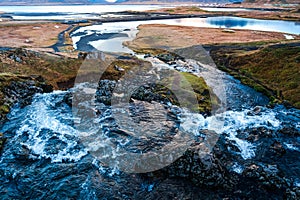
40 116
291 147
289 37
229 122
237 168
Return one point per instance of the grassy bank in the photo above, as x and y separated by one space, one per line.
270 69
52 68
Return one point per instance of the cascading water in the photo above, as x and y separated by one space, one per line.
42 137
46 158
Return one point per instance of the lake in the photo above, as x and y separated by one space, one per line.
287 27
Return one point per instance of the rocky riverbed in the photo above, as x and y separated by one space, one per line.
254 154
133 135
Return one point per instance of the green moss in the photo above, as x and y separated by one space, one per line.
202 93
153 52
170 10
194 92
2 141
4 109
53 69
195 9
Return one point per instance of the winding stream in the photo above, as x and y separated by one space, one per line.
46 158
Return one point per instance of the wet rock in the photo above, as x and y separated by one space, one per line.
82 55
256 134
169 58
266 175
68 99
105 91
293 193
277 149
289 131
255 111
2 141
203 170
19 89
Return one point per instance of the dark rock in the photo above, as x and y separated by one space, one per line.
289 131
104 91
256 134
204 170
255 111
2 141
144 93
46 88
68 98
82 55
20 89
277 148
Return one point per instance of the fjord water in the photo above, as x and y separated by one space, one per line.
93 12
96 8
77 8
69 12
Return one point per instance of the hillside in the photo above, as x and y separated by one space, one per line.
273 1
42 2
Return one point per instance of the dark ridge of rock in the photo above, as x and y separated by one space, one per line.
19 89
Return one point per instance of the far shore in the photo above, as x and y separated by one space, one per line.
159 35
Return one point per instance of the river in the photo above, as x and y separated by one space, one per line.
55 153
98 36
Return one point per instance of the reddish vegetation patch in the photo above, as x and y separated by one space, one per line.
30 35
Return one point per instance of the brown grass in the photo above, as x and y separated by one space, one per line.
166 36
273 71
53 68
35 35
276 15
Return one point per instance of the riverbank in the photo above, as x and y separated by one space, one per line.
159 36
51 147
271 69
30 69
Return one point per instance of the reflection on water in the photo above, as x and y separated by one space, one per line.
242 23
116 44
228 22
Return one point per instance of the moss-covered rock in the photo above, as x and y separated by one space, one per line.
179 88
17 88
53 68
2 141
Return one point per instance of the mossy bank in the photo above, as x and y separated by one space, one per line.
271 69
